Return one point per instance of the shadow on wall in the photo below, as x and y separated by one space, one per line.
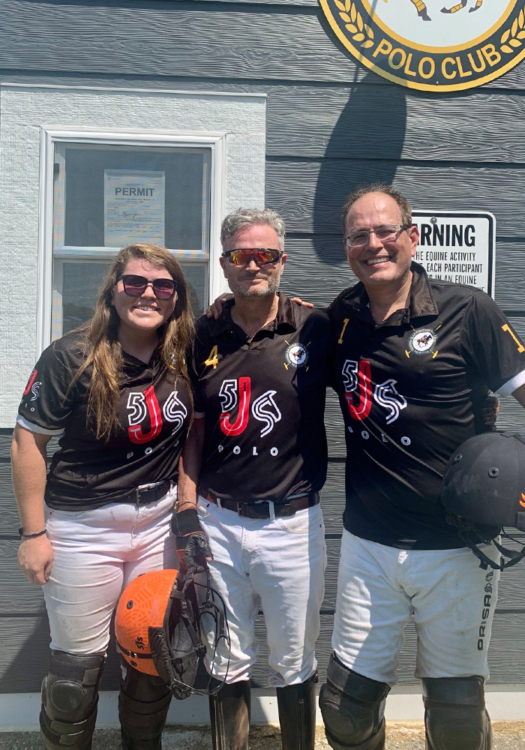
365 146
29 640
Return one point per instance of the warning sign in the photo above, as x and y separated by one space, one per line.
458 246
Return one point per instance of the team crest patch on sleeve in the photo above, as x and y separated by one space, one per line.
296 355
432 45
423 341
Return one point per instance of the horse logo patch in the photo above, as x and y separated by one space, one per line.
423 341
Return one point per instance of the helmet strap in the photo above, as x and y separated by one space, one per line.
514 556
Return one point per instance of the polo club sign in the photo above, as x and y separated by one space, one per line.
435 45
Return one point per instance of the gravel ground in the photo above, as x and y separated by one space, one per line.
507 736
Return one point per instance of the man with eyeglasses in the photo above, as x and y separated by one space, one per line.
260 380
413 361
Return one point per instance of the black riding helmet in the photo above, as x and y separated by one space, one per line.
484 490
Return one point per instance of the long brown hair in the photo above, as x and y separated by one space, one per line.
102 348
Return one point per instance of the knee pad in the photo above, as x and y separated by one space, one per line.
143 704
455 715
352 708
69 700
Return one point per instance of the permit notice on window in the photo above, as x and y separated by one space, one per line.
134 207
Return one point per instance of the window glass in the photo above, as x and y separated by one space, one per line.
106 196
81 284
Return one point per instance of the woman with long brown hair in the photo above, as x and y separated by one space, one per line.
117 393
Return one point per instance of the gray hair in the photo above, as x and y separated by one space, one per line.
249 217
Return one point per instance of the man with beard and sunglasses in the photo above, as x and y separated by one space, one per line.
260 381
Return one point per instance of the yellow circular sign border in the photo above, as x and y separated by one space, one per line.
439 50
404 82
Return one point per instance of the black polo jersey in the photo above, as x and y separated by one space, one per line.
411 390
263 402
153 419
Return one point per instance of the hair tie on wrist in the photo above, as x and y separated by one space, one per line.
30 536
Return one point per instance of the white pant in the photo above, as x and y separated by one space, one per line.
97 553
451 597
282 561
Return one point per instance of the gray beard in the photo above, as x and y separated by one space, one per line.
271 288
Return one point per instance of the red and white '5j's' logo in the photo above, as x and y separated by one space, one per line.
264 408
357 380
146 404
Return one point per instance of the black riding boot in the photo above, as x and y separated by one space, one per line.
143 706
296 705
230 711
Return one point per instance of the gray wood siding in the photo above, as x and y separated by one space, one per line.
208 40
331 125
310 192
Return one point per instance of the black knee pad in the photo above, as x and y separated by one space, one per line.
352 708
455 714
144 702
69 700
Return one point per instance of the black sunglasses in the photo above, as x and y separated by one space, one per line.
135 286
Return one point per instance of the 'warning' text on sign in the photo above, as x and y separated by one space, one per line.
457 247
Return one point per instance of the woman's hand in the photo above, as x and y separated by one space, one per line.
28 462
35 558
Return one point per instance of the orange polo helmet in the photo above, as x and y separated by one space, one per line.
158 626
144 604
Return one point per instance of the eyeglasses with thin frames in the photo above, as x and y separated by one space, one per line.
386 233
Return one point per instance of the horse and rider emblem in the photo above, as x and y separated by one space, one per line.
422 341
431 45
423 13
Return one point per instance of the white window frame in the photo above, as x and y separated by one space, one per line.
215 141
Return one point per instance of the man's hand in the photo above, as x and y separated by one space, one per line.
490 411
215 309
192 546
299 301
35 559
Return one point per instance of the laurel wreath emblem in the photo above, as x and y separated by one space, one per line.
361 33
513 37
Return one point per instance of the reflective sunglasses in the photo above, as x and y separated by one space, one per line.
135 286
260 255
387 233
